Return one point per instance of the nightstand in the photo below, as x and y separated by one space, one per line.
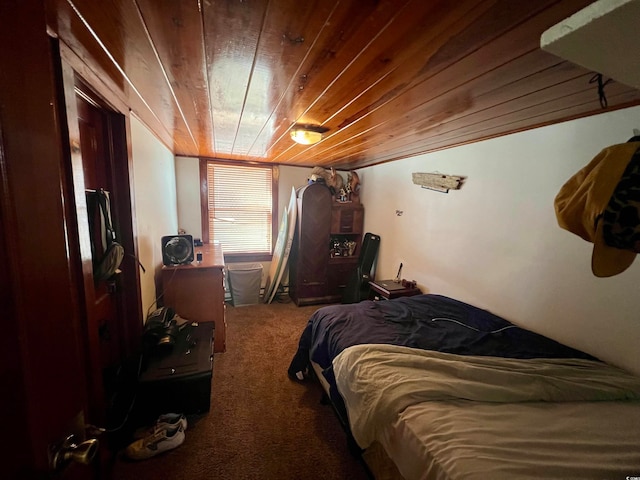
388 289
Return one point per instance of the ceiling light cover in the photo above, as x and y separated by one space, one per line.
307 134
306 137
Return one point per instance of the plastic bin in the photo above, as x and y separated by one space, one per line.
244 283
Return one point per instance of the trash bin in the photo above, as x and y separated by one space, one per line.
244 283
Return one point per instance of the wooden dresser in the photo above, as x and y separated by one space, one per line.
196 291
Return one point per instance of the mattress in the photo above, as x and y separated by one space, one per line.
450 417
465 440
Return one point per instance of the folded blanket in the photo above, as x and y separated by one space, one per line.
377 382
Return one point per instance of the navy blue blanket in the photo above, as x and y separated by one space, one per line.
429 322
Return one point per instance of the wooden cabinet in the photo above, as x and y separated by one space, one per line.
347 219
325 247
196 291
310 249
346 240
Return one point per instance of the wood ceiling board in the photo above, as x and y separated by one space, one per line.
389 52
346 35
505 48
70 29
291 29
175 30
502 119
502 84
573 106
526 74
623 100
498 117
232 31
511 120
387 56
374 72
89 59
477 98
553 101
119 27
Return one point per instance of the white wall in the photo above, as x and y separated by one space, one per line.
188 194
154 182
496 243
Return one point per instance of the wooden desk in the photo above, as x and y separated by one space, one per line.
389 289
196 291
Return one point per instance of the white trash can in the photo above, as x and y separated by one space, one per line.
244 282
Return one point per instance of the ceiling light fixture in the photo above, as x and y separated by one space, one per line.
307 134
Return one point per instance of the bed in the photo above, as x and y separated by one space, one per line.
429 387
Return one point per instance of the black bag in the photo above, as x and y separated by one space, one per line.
106 263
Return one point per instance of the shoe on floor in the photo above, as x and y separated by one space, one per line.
166 420
156 443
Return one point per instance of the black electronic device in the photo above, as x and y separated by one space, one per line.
358 287
177 249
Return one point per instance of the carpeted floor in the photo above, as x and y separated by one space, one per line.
261 424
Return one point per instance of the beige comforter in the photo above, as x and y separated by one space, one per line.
389 391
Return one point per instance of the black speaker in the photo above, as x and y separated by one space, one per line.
177 249
357 288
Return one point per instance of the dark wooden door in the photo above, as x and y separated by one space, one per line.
42 361
50 354
97 134
101 297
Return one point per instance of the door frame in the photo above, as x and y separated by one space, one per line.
128 303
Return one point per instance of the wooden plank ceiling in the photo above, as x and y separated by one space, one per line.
387 79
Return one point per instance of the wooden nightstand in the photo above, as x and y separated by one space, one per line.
388 289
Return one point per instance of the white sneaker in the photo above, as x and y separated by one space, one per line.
156 443
166 420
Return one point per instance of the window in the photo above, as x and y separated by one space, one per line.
239 208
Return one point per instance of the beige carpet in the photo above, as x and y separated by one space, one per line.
261 424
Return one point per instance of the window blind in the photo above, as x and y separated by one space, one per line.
240 207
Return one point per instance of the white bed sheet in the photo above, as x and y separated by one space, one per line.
471 440
438 436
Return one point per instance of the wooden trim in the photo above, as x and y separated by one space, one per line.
120 162
81 259
204 204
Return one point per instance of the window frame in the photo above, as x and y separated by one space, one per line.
204 207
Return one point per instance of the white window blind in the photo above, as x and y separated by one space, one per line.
240 207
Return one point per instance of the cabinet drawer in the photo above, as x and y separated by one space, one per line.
339 273
346 219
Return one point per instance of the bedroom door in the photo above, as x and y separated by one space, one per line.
112 326
48 364
42 357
